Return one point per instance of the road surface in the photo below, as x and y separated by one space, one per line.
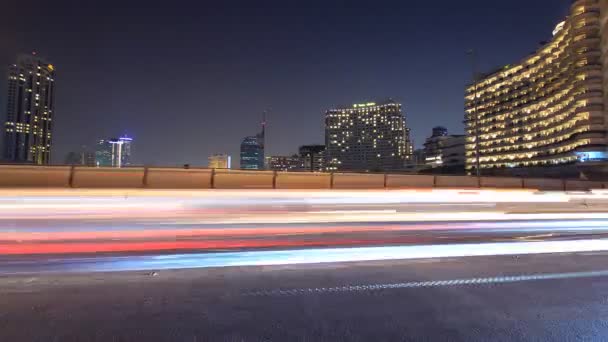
456 265
527 298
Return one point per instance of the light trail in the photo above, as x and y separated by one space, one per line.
75 221
296 257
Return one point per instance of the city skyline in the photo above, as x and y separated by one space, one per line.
116 89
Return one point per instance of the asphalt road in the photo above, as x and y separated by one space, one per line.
452 265
553 297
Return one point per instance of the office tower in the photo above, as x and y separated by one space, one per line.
124 154
30 111
114 152
219 161
84 158
87 158
546 114
445 152
252 150
313 157
284 163
366 137
103 153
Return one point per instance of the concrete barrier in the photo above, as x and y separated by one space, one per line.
303 180
176 178
358 181
409 181
238 179
159 178
593 185
581 185
501 182
544 184
102 177
34 176
455 182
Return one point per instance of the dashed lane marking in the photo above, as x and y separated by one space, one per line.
426 284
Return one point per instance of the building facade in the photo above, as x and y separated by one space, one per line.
545 115
84 158
433 146
312 157
444 153
453 155
284 163
114 152
125 151
30 111
103 153
252 151
367 137
219 161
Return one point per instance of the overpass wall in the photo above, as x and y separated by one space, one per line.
456 182
409 181
30 176
297 180
106 177
241 179
159 178
545 184
176 178
358 181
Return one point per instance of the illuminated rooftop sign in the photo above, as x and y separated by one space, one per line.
359 105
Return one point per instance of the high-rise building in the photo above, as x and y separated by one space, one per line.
87 158
313 157
84 157
546 115
284 163
122 151
444 152
113 152
252 150
368 136
103 153
30 111
219 161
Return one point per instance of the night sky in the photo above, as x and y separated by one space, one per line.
187 79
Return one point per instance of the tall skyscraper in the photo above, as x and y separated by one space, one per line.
546 115
113 152
366 137
252 150
103 153
124 153
220 161
30 111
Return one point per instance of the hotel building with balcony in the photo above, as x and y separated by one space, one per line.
546 115
366 137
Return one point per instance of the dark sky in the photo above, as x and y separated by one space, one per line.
190 78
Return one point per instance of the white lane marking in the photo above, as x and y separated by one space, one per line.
434 283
